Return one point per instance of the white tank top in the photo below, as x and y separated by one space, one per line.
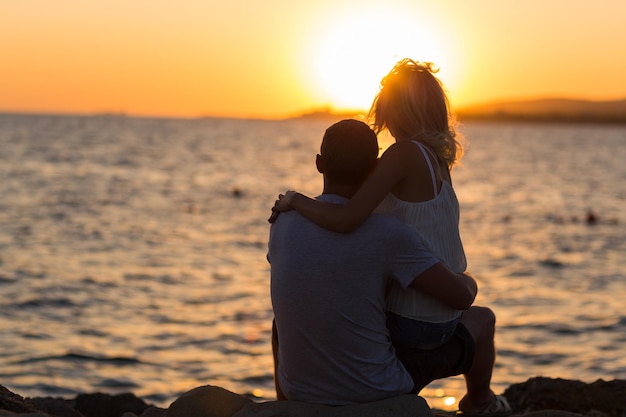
438 222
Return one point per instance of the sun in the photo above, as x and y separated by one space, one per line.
354 51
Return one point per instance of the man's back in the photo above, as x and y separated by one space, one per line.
328 299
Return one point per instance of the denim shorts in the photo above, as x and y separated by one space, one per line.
419 334
454 357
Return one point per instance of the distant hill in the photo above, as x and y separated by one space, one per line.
547 110
330 115
551 109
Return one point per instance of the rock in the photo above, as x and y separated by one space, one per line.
537 397
15 403
105 405
210 401
401 406
6 413
550 413
57 407
598 399
207 401
84 405
151 412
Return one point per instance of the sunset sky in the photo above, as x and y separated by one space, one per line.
276 58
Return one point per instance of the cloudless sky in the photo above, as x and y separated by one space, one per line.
276 58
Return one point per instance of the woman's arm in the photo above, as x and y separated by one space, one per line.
390 170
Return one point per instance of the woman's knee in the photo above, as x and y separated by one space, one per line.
486 316
480 321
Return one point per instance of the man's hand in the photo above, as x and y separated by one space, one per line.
457 291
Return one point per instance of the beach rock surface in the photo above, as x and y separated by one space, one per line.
598 399
84 405
537 397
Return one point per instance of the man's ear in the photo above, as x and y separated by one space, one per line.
319 163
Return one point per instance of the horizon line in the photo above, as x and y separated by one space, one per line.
320 111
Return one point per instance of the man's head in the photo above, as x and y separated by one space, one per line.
348 153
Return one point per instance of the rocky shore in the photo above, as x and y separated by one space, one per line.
537 397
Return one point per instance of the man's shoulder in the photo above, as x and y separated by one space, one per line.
289 220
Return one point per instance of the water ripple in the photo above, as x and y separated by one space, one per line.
81 357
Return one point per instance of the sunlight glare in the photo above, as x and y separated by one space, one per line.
357 50
449 401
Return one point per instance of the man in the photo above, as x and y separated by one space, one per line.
331 343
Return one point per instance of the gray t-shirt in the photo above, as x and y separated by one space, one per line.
328 297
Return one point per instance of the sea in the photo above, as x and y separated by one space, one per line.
133 250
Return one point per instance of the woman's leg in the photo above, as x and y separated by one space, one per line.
481 323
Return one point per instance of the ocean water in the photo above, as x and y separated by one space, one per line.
132 250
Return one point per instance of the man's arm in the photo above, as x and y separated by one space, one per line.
457 291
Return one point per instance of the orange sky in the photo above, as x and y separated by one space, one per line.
275 58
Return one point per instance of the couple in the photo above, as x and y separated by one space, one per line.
345 329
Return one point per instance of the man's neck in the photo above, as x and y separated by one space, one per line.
346 191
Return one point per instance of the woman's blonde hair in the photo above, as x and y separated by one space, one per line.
412 105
